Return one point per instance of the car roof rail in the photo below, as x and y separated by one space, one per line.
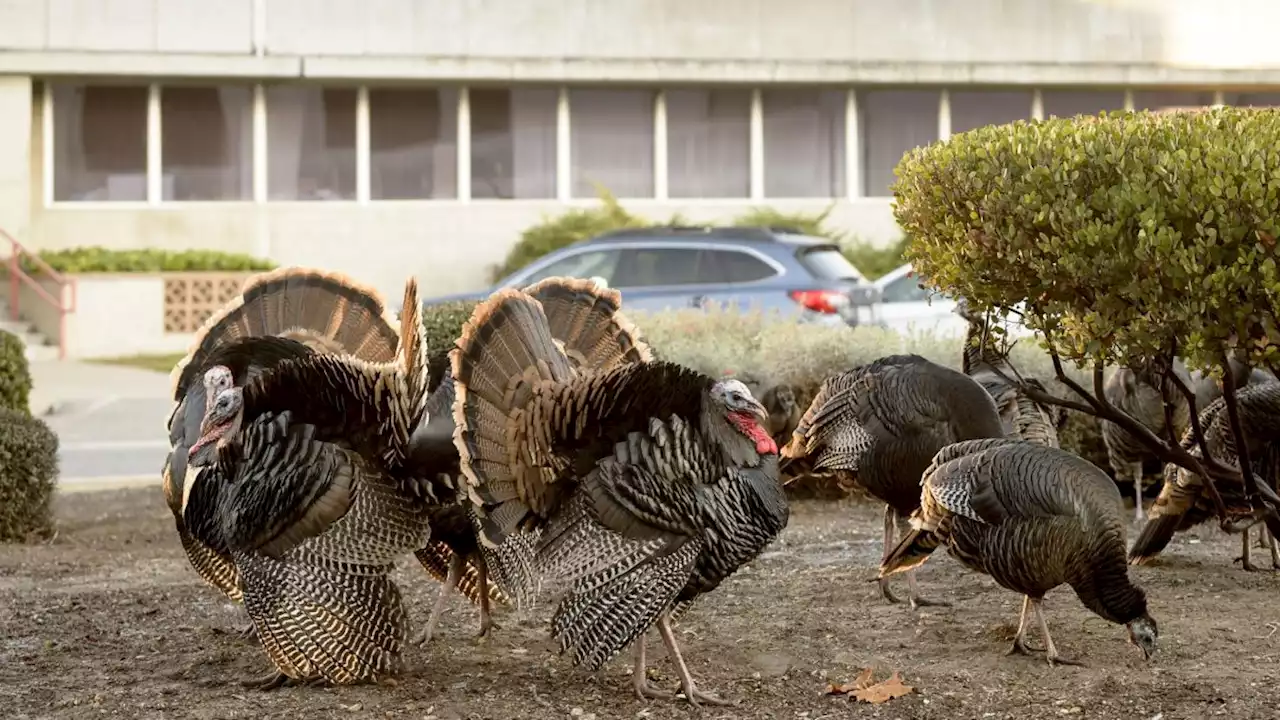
707 232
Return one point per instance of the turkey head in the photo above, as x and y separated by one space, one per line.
225 405
739 420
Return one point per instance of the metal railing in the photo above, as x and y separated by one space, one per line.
64 303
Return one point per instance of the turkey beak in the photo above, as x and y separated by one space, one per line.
756 408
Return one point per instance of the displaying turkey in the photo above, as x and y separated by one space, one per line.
304 481
651 483
279 315
880 424
1022 417
455 556
1137 392
1033 518
1183 502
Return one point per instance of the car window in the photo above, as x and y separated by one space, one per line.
595 263
904 289
650 267
826 262
732 266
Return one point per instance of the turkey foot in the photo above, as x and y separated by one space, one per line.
1020 646
640 678
248 632
1246 563
695 696
450 581
276 679
1051 651
886 593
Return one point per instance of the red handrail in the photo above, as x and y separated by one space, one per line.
65 303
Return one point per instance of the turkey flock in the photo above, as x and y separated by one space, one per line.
316 440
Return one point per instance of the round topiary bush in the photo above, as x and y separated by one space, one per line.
28 471
15 375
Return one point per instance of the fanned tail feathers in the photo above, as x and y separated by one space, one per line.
587 321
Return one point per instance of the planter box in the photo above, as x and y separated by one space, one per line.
130 314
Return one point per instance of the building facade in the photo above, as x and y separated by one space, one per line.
387 137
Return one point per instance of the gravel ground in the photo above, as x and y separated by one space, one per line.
109 621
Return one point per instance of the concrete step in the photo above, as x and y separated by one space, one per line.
37 346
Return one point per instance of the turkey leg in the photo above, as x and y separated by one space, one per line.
691 692
640 677
891 539
1273 546
1245 559
1051 651
450 581
1138 512
1020 646
486 616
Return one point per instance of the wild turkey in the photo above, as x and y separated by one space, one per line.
784 412
1137 393
651 483
1033 518
880 424
308 488
279 315
1023 417
574 325
1208 389
1182 503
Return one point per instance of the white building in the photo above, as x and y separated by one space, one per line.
383 137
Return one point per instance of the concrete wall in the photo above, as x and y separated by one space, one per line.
15 156
1021 41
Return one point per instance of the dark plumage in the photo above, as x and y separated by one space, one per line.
1183 504
880 425
307 484
1022 417
281 315
650 483
1033 518
1138 394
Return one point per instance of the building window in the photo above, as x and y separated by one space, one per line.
1160 99
892 123
206 143
513 142
611 142
1266 99
804 143
311 139
709 143
413 143
99 143
972 109
1069 103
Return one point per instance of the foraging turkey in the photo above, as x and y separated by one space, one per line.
880 425
308 487
1183 502
1033 518
1023 417
1137 393
279 315
651 483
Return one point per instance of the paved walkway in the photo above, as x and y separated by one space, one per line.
110 422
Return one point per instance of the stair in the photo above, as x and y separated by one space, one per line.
38 347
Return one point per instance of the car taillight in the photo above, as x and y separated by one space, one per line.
823 301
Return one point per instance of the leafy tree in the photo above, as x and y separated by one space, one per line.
1130 239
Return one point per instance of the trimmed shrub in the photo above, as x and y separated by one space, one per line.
1125 234
443 324
103 260
15 375
28 470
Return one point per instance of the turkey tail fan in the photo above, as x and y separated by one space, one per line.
326 311
414 357
910 552
587 321
506 350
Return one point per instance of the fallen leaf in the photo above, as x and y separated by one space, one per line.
884 691
865 679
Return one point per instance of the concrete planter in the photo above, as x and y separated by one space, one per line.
129 314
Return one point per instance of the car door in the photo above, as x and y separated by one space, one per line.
736 277
659 276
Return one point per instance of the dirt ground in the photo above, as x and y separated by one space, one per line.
109 621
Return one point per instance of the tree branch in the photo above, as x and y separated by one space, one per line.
1253 489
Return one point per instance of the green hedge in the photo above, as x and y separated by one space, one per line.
576 225
28 471
103 260
766 350
15 375
1123 233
